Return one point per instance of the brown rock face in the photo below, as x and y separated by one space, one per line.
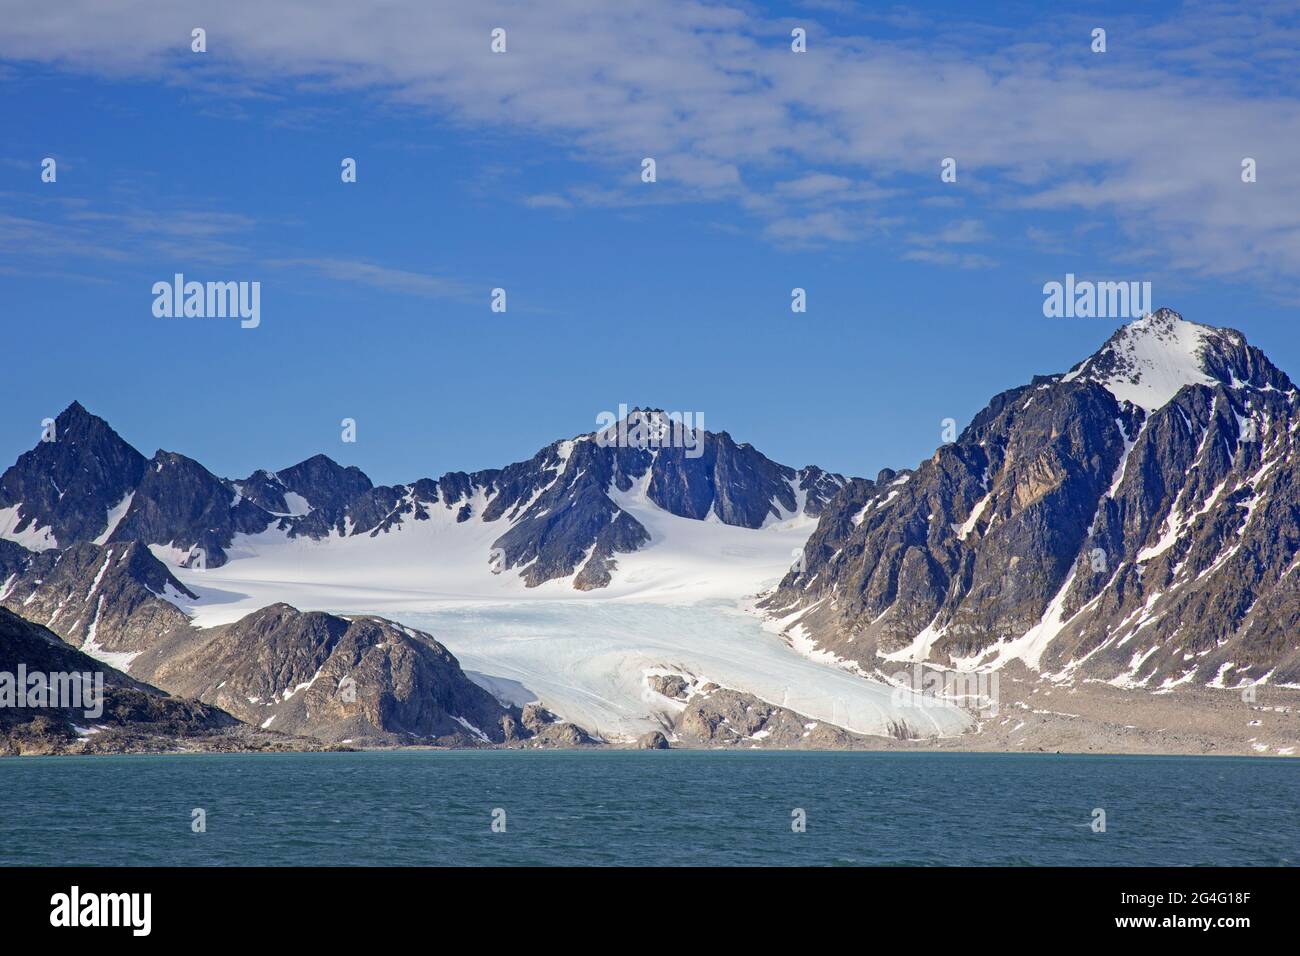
364 680
652 741
110 592
728 718
132 717
673 686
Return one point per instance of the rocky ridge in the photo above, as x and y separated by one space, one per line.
1136 520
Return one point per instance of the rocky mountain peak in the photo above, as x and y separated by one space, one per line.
318 482
75 412
1151 545
63 489
77 426
1148 360
324 482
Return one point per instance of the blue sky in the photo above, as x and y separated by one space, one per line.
521 170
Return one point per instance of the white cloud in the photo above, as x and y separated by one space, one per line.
1152 142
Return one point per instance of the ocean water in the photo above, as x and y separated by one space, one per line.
648 808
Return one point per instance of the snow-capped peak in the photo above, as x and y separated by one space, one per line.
1147 361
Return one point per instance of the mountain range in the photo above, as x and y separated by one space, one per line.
1133 521
554 513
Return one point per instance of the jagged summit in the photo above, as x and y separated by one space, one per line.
1147 361
63 488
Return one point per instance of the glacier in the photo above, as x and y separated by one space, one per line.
679 604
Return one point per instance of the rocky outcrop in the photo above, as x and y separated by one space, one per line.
720 717
562 734
672 686
548 730
697 712
111 601
13 558
134 717
362 680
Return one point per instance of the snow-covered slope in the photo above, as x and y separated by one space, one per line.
1147 361
441 562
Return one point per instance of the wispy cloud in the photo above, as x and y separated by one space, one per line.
377 276
821 146
76 230
949 257
69 238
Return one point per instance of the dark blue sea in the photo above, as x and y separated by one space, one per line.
675 808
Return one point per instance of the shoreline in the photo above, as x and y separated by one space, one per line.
612 749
